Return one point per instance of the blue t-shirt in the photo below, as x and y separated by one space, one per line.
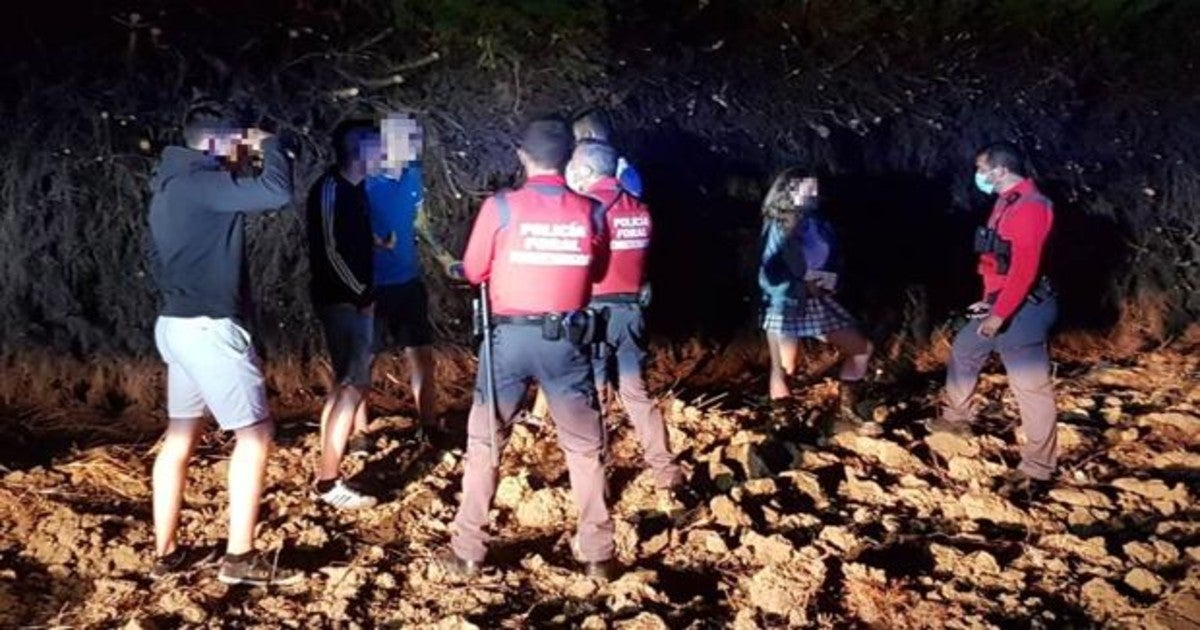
630 178
394 207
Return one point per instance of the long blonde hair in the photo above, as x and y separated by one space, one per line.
777 205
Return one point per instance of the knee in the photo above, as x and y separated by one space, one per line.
347 397
857 347
259 435
173 454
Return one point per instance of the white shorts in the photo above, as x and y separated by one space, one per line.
211 363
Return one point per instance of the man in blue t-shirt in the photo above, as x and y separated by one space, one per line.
395 194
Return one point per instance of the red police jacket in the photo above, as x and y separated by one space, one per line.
1023 217
628 225
537 247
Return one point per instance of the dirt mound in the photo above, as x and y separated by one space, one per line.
898 531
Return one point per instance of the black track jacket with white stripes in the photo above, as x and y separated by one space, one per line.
340 242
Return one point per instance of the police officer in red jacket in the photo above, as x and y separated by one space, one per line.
1013 318
539 249
622 291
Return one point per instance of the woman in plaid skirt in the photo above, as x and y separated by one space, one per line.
781 276
798 277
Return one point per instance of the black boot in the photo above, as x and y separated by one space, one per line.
856 409
782 413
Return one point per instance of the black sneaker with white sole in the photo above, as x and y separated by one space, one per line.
256 569
182 560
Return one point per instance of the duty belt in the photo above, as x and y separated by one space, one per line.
617 298
1042 290
525 320
579 327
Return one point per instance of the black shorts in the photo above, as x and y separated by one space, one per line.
348 337
402 316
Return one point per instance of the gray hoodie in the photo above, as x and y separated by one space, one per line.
197 228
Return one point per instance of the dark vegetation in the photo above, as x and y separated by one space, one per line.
890 98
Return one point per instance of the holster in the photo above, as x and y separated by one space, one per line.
552 327
581 328
1041 291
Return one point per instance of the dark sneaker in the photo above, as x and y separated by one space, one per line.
361 445
942 425
687 506
856 409
777 414
606 570
456 567
182 560
843 425
1018 487
254 569
603 570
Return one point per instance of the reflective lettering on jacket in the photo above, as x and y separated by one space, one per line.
629 229
537 248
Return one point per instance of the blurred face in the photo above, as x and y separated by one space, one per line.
218 141
370 151
987 177
801 191
401 143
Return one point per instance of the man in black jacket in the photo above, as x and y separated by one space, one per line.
198 251
340 249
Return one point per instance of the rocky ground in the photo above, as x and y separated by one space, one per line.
895 532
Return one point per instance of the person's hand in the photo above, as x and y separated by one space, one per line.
253 138
990 326
386 243
978 310
454 269
821 282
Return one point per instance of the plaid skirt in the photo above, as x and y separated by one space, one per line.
820 315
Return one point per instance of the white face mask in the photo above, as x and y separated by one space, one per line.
982 181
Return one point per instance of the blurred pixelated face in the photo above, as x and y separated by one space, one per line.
370 152
219 141
223 141
801 190
402 142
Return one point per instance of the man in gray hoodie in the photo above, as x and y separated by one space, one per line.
197 229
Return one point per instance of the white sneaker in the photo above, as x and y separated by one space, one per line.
343 497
